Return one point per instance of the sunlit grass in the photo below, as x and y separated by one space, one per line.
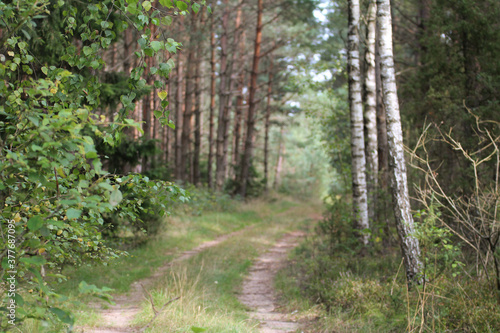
218 272
208 283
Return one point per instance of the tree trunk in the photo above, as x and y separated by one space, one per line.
146 114
247 155
383 199
360 202
221 158
279 163
198 86
238 116
267 120
212 105
178 119
370 102
128 53
188 106
401 200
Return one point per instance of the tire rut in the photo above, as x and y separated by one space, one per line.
118 318
258 291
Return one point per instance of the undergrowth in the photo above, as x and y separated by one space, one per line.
336 289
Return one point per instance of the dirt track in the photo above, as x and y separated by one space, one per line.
118 318
258 292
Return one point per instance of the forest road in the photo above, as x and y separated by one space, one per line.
258 292
118 318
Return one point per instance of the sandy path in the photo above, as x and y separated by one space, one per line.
258 293
118 318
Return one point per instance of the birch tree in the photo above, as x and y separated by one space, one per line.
360 202
400 197
370 103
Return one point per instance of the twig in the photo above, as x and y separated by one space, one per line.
156 312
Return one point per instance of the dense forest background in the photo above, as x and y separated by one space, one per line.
113 112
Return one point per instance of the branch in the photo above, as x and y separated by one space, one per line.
156 313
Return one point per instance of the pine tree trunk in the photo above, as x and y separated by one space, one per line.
178 119
248 152
128 53
238 115
267 121
360 201
401 200
212 105
189 106
198 86
279 162
221 160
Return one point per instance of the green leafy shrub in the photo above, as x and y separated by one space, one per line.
55 193
205 200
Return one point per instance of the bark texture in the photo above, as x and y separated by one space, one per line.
247 156
359 193
212 106
178 118
370 102
399 184
268 121
223 118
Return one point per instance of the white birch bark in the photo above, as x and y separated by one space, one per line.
370 99
359 194
399 184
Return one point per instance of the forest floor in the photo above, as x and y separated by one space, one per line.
222 285
118 318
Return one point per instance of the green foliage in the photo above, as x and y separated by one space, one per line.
368 293
203 200
439 251
54 191
255 184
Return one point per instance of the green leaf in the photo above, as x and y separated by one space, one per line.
35 260
166 20
146 5
63 316
106 186
196 7
157 114
73 213
198 329
91 154
115 198
181 5
156 45
166 3
132 8
35 223
162 94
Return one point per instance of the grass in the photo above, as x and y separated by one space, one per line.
342 292
207 283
